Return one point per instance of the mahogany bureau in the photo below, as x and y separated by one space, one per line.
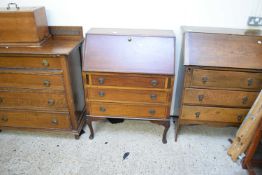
129 74
222 75
41 87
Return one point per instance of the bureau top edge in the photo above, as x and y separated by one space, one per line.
131 32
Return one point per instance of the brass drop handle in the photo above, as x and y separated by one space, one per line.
54 121
46 83
101 93
244 100
154 83
250 82
1 100
4 118
204 80
101 80
102 109
200 98
12 3
151 111
45 63
239 118
51 102
197 114
153 96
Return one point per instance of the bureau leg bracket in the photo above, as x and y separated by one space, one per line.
166 124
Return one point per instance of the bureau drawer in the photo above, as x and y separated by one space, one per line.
30 62
30 100
124 80
226 79
39 120
219 97
128 95
128 110
32 81
213 114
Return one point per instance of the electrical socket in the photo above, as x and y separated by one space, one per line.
254 21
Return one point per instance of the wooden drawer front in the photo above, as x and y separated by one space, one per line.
226 79
128 81
128 110
30 62
32 100
34 120
31 81
127 95
219 97
213 114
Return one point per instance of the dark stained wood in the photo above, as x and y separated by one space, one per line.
26 25
131 52
42 86
129 74
223 50
222 76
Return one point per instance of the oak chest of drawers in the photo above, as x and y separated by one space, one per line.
41 87
222 75
129 74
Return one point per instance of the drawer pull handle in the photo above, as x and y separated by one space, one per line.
102 109
54 121
250 82
197 114
151 111
154 83
244 100
101 93
46 83
4 118
45 63
51 102
259 42
10 4
153 96
101 80
239 118
1 100
200 98
204 80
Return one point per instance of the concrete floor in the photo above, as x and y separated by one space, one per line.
200 150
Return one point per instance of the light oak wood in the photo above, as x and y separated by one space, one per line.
212 97
214 114
128 110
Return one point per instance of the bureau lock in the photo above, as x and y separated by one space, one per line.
102 109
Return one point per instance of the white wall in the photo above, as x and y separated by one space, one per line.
155 14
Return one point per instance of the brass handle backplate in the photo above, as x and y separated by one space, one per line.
4 118
101 80
45 63
197 114
101 93
244 100
153 96
54 121
200 98
51 102
46 83
151 111
204 80
154 83
102 109
250 82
